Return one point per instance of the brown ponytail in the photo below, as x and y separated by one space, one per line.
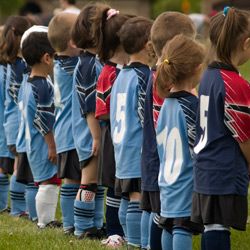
180 57
227 30
13 30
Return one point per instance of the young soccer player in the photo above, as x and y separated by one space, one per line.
223 136
178 73
89 202
176 23
126 118
14 28
113 55
66 58
6 158
38 103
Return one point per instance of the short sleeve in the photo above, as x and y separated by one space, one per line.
237 106
44 97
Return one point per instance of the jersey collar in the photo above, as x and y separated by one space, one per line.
221 65
179 94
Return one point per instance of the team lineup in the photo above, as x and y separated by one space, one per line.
119 116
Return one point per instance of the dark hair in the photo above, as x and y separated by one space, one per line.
59 32
85 33
108 39
35 46
30 8
135 33
227 31
167 25
13 30
180 57
71 1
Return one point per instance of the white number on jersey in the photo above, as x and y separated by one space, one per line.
172 146
120 118
204 102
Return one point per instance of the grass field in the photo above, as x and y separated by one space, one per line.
18 233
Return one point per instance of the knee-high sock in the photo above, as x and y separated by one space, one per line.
46 202
84 210
4 189
145 229
133 223
30 197
166 240
17 197
99 207
67 197
155 233
112 220
216 240
182 239
122 213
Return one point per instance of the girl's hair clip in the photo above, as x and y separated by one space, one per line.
225 10
166 61
111 13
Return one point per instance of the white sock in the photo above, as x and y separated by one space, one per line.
46 202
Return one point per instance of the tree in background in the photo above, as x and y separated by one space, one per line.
8 7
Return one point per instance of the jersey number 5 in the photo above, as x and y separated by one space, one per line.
172 145
120 126
204 102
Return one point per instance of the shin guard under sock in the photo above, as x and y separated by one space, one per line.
122 213
99 207
30 197
4 189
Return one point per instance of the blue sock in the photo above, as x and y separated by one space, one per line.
122 215
216 240
155 233
113 225
4 189
17 197
67 197
167 240
145 229
133 222
30 197
99 207
83 216
182 239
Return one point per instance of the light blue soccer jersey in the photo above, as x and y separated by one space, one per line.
63 82
83 102
175 139
38 104
15 73
126 118
20 141
4 152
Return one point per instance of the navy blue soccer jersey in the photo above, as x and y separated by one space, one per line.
39 118
15 73
83 102
150 162
64 67
4 152
126 118
223 122
175 139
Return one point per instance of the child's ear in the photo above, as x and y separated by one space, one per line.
71 44
46 58
246 44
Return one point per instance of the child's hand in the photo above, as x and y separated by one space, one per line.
95 147
52 155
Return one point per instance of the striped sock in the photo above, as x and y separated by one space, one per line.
30 197
4 189
17 197
112 207
99 207
133 222
67 198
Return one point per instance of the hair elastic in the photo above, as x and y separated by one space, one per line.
111 13
166 61
225 10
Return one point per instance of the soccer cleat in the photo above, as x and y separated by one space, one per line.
52 224
69 231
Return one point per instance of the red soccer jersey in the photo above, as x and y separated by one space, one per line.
103 88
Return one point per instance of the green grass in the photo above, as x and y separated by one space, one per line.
21 234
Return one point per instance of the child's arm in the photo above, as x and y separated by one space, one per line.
95 130
49 139
245 149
